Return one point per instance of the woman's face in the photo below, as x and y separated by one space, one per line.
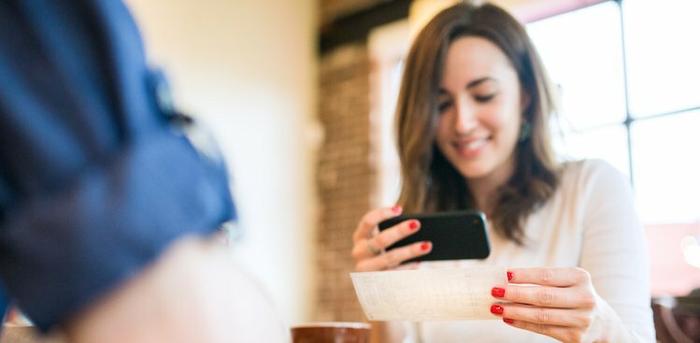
480 109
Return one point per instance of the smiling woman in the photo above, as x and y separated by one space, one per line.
477 81
479 105
472 124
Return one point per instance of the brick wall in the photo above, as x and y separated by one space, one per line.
345 177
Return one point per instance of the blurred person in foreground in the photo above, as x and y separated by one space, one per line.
107 211
473 132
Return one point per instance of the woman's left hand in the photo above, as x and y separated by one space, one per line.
557 302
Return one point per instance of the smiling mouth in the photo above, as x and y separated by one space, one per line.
471 148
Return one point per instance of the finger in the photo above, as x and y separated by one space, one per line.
395 233
543 296
560 333
394 257
361 250
367 247
370 220
548 316
556 277
397 256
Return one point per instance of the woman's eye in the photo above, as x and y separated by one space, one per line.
444 106
484 98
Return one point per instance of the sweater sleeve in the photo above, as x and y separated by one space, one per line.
614 250
94 181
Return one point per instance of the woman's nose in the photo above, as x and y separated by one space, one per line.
465 118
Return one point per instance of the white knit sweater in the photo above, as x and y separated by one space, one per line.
589 222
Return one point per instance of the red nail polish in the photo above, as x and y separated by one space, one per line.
510 275
396 209
498 292
424 246
413 225
508 320
496 309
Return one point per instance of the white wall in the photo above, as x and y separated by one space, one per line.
247 68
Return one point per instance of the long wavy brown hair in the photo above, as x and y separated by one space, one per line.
429 181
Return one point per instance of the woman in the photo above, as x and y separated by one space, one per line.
473 133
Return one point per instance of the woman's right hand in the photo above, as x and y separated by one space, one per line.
369 244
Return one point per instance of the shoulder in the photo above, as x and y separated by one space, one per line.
595 187
592 174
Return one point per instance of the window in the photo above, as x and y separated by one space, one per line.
629 77
586 65
630 89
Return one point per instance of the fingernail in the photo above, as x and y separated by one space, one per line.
413 225
498 292
425 246
396 209
496 309
508 320
510 275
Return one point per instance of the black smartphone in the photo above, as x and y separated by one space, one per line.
455 235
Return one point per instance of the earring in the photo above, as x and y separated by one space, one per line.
525 130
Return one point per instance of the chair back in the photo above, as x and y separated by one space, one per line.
675 322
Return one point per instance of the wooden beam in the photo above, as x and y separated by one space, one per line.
355 27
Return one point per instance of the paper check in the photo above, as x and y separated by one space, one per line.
428 294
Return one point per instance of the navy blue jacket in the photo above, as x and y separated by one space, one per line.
94 180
